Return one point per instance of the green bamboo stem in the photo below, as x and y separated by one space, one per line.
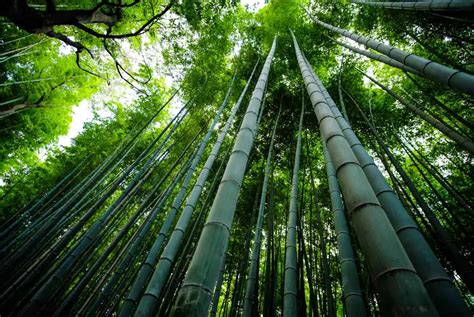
352 293
163 268
290 279
445 75
400 288
433 5
251 281
462 141
341 99
196 291
443 292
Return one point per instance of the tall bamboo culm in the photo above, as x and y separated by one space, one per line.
352 293
290 291
252 276
462 141
442 74
440 287
164 265
195 294
400 288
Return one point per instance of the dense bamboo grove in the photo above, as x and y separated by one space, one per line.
309 158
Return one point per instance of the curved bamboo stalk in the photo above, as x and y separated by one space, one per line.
400 288
433 5
437 72
441 288
252 276
196 291
463 142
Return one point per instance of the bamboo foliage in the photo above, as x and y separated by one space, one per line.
387 260
196 291
445 75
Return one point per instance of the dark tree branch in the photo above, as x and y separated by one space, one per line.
79 48
37 21
143 29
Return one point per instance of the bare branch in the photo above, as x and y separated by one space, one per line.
143 29
79 48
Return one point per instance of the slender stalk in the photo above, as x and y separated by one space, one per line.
433 5
290 280
251 282
341 99
196 291
445 75
462 141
